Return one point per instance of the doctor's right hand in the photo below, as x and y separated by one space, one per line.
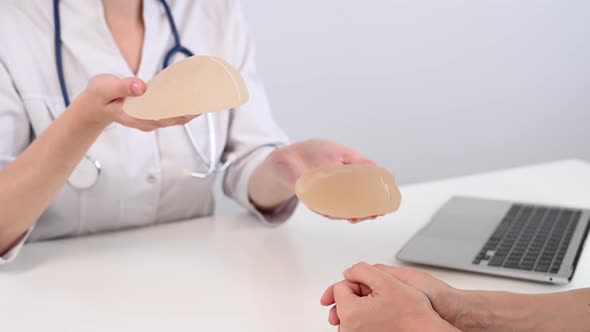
104 97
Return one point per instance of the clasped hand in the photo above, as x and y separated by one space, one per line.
382 299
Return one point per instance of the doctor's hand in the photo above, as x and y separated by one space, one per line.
371 300
103 101
285 165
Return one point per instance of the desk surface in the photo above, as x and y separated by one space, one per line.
233 274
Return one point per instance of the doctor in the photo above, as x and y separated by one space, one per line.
73 163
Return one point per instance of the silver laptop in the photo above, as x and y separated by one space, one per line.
519 240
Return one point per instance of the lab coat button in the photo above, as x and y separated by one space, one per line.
151 179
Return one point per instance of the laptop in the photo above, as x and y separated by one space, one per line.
518 240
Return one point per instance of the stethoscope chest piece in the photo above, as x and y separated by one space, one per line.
86 174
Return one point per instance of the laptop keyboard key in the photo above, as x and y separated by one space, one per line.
542 268
530 238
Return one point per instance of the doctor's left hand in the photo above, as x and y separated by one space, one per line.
274 181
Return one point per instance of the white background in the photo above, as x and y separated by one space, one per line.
430 88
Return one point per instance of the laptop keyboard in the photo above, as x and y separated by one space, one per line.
531 238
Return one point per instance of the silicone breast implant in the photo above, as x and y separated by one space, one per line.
349 191
196 85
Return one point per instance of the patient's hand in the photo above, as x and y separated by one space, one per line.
478 311
447 301
372 300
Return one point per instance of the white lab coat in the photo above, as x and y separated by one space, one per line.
141 181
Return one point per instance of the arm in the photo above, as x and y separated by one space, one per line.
38 174
253 134
267 168
474 311
265 179
501 311
34 178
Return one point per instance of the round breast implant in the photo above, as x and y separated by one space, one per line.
349 191
195 85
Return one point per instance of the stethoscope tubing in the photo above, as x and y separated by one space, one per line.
176 49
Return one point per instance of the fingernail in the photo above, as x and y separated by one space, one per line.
136 87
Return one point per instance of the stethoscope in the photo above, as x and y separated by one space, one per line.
88 171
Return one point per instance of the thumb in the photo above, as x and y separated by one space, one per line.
109 88
344 294
128 87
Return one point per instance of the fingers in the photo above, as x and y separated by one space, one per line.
151 125
368 275
177 121
328 296
163 123
344 293
355 158
357 220
187 118
143 125
333 316
352 220
359 289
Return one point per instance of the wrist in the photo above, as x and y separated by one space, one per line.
430 322
475 312
501 311
265 188
441 325
89 113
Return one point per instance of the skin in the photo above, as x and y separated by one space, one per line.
124 19
476 311
371 300
38 174
274 181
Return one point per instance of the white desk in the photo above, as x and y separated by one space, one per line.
233 274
